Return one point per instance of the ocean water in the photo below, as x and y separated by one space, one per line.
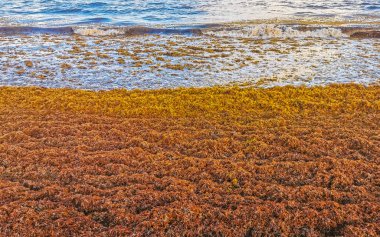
101 45
137 12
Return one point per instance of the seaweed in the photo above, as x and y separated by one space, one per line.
221 161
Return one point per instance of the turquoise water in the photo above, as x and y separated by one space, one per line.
135 12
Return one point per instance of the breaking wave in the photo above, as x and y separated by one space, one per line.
27 30
98 31
262 31
130 31
278 31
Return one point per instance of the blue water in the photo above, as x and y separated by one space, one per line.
132 12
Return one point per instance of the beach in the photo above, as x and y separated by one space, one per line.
190 118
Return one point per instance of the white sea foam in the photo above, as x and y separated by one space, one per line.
96 31
148 61
276 31
256 31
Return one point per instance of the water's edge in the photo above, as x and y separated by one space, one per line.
256 30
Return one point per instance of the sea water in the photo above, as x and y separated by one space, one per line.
166 44
126 12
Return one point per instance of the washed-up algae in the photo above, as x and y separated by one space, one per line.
188 162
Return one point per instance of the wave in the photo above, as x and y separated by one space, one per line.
131 31
99 31
278 31
96 31
262 31
26 30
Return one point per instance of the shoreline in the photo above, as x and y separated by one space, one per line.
353 28
261 55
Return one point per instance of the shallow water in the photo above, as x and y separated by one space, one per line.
127 12
101 45
169 61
